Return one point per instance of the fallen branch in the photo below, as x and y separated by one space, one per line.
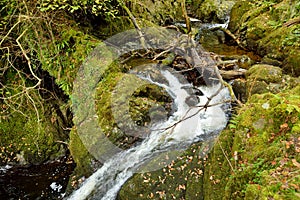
203 107
186 17
228 86
231 74
237 40
137 27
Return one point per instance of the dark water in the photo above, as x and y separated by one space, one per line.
45 181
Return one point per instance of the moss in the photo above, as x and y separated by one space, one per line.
238 10
263 30
262 78
157 12
28 139
216 169
260 151
292 63
119 93
81 156
180 179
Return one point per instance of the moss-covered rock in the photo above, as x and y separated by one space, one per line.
180 179
211 10
262 78
157 12
267 73
258 152
81 156
119 93
28 136
269 28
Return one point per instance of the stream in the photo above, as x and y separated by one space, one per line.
106 181
49 181
45 181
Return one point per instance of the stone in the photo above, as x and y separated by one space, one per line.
239 89
263 72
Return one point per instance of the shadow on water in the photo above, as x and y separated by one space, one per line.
45 181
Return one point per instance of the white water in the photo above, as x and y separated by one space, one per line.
106 182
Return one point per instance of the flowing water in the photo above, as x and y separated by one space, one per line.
192 124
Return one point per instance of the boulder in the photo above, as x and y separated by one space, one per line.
271 29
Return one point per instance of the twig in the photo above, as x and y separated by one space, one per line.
10 30
292 22
28 61
62 142
186 17
163 52
203 107
232 169
227 85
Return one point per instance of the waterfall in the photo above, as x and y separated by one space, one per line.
106 181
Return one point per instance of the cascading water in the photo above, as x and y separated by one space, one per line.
191 125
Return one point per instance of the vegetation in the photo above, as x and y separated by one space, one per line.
44 43
271 29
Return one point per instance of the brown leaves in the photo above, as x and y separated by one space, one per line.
295 163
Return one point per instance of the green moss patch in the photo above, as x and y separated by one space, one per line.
263 151
267 30
28 137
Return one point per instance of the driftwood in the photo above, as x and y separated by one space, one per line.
231 74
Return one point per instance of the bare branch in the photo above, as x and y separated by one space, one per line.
28 61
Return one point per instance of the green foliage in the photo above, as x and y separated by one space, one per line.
274 24
107 8
293 38
62 57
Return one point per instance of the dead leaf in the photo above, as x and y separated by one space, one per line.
273 162
295 163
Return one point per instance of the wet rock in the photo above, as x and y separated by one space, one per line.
239 89
208 37
192 100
